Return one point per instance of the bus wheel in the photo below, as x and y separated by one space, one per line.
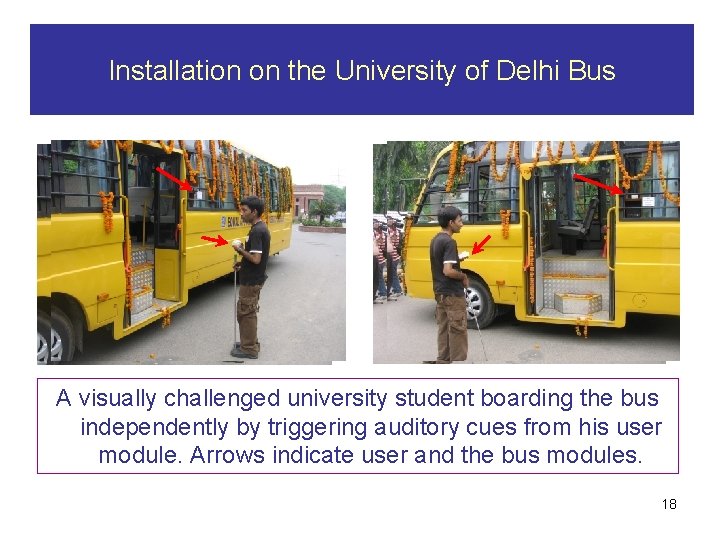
480 303
44 338
62 338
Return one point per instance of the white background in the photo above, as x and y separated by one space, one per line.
360 506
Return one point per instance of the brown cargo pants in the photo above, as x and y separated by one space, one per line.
451 318
247 308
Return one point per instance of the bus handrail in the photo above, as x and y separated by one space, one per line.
610 252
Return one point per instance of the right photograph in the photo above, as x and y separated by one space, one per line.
526 252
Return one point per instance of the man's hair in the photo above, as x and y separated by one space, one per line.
254 203
448 214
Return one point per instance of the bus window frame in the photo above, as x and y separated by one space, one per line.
58 203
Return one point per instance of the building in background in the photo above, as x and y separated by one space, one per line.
304 196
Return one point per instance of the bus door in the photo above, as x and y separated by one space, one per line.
571 248
154 216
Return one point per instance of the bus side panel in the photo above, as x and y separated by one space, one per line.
87 264
647 267
204 261
499 264
44 257
280 232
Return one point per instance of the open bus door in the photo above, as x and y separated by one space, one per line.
155 207
569 253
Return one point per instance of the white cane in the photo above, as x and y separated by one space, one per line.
235 243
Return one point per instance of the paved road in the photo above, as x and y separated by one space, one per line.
404 333
301 319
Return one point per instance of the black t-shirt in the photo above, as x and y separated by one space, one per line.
443 249
258 242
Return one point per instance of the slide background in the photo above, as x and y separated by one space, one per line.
323 506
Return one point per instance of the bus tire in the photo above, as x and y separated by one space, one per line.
44 338
480 303
62 337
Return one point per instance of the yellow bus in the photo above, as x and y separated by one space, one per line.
120 244
561 248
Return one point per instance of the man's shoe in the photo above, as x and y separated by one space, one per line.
237 353
437 362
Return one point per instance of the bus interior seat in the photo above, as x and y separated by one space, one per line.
573 231
167 206
141 202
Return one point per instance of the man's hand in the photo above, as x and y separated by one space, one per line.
237 266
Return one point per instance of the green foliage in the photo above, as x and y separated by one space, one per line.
322 209
335 195
401 163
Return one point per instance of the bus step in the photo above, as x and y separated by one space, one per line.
142 255
142 300
142 276
579 304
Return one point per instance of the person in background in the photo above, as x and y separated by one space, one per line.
393 253
380 238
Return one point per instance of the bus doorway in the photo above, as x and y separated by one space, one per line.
569 253
154 225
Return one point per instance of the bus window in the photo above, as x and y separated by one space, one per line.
436 197
81 170
646 198
495 195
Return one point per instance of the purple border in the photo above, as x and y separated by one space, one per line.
37 417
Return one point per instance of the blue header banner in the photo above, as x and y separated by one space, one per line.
361 69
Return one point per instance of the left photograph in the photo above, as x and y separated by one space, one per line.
185 252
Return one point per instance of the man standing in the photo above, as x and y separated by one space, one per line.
251 276
449 285
380 238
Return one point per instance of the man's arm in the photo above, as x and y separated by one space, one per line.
253 257
450 272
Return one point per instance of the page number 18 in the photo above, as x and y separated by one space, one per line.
670 504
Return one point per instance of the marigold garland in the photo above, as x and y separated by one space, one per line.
190 172
125 146
663 180
94 144
169 147
505 221
621 165
590 158
244 172
107 209
235 178
531 260
453 166
584 323
493 162
554 160
213 182
465 159
166 317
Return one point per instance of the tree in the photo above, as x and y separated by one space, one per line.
335 195
322 209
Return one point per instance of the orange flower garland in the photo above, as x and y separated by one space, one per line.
590 158
505 220
125 146
453 166
94 144
107 209
213 182
663 180
166 317
169 147
626 176
493 162
554 160
191 173
480 156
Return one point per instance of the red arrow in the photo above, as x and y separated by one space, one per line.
477 248
220 241
615 190
184 186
